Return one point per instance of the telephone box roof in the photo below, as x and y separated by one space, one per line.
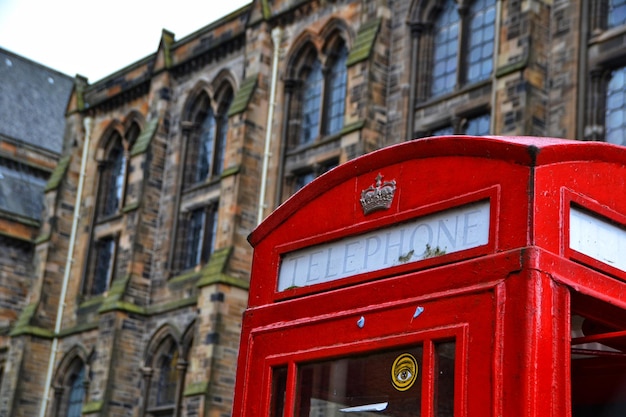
520 150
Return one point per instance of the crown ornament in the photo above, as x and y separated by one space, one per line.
378 196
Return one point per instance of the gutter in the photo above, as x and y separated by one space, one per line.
276 35
88 123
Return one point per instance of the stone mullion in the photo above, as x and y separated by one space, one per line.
181 368
461 73
287 141
172 263
147 374
596 105
417 31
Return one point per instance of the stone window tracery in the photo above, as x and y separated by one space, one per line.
317 94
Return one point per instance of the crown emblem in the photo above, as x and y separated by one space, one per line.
378 196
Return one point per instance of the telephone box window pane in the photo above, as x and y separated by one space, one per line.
444 374
382 383
598 358
279 391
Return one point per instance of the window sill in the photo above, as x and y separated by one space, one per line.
162 410
316 143
446 97
209 184
109 218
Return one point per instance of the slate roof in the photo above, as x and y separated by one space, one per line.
33 99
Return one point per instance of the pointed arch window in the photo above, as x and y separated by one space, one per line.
204 147
336 92
114 170
468 34
207 139
168 378
113 178
76 393
165 380
71 390
311 103
445 49
317 93
222 132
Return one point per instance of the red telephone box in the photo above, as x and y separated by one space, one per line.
450 276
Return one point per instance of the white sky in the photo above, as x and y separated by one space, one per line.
95 39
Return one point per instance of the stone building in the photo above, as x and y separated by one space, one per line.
141 264
31 143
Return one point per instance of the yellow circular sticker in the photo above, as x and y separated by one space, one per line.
404 372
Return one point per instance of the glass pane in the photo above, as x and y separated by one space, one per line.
311 103
168 378
205 147
279 391
617 13
337 81
194 238
445 50
379 384
478 125
444 374
105 249
598 358
114 176
443 131
303 179
615 122
479 59
77 394
220 144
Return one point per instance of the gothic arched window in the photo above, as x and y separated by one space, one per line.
336 92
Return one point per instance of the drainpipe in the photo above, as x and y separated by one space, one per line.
496 51
276 35
88 122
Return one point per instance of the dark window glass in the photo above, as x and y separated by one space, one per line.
303 179
279 392
311 103
205 147
105 251
195 236
479 58
444 131
617 13
383 383
616 108
336 92
478 126
199 236
222 132
168 379
76 393
113 181
445 49
444 374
